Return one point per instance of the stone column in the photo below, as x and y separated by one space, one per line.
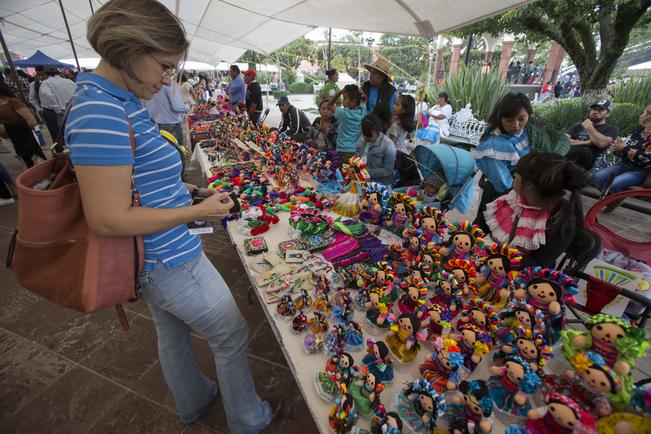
438 60
553 64
531 53
507 49
456 54
491 43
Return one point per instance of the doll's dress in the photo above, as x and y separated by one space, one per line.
354 339
503 391
347 204
608 351
437 375
407 305
327 387
592 402
382 371
458 417
371 216
361 395
331 182
641 424
397 343
490 290
555 323
546 425
372 315
410 416
443 300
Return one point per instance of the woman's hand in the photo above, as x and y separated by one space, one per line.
216 206
206 192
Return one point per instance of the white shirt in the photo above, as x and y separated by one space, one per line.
186 93
444 124
56 92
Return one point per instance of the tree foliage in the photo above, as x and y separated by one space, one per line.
594 33
409 53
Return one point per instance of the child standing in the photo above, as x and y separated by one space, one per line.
350 121
403 122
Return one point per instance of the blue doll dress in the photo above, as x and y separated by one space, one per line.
382 371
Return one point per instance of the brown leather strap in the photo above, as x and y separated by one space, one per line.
124 322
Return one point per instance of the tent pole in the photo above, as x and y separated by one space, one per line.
329 46
90 2
72 44
467 57
12 68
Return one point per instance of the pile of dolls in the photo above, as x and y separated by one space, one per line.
446 292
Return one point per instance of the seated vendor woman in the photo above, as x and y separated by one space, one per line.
542 215
377 150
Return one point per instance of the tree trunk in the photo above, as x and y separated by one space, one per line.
591 96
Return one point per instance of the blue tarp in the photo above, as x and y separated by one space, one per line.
41 59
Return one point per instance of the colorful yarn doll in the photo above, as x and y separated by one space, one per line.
304 300
378 308
343 414
443 368
299 323
548 290
616 340
480 313
355 176
354 336
524 336
382 278
419 406
401 211
335 340
412 242
339 369
384 422
342 312
366 390
414 296
403 338
318 323
474 344
573 385
464 272
438 321
322 303
448 293
378 361
601 378
511 384
427 263
495 281
313 342
471 411
329 175
465 239
286 307
432 222
560 415
374 203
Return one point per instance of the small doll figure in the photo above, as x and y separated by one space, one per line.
448 293
384 422
378 308
511 385
412 241
403 338
465 238
413 298
335 340
373 203
443 367
365 390
313 343
474 344
616 340
286 307
355 177
472 410
378 361
318 323
343 309
354 336
400 213
339 370
382 278
480 313
304 300
560 415
322 303
464 272
299 323
519 314
427 263
601 378
432 222
548 290
438 321
495 281
343 414
419 406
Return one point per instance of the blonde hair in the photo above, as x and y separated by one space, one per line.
122 30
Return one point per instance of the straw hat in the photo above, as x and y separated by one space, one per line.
381 65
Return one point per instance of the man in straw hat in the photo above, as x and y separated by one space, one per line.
380 93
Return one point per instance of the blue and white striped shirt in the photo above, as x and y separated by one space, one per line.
97 133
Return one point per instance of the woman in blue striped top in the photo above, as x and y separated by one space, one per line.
141 43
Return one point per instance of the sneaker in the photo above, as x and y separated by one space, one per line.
8 201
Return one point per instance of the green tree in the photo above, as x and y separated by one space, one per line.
593 33
409 53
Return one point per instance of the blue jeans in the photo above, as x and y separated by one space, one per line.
625 175
194 296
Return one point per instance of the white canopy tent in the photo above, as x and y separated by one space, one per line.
221 30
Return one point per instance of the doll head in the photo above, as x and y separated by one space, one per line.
481 313
607 328
376 194
409 323
567 413
464 236
431 220
502 259
402 204
429 257
464 272
519 372
439 315
383 274
546 286
594 371
532 348
448 285
412 238
427 400
379 349
475 338
477 397
345 361
415 289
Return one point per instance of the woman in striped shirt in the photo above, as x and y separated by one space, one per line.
141 43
